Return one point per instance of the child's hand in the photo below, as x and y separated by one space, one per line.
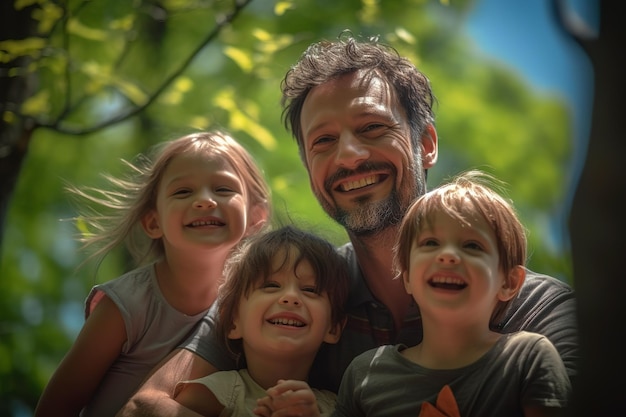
288 398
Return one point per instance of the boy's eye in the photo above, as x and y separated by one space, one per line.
474 246
310 289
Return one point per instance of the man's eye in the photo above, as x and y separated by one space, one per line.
372 126
322 140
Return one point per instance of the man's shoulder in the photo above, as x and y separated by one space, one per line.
544 285
543 301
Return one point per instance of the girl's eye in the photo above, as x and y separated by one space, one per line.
225 190
429 242
181 192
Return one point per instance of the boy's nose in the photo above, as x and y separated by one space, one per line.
290 297
448 256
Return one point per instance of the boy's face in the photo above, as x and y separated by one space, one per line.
454 270
284 317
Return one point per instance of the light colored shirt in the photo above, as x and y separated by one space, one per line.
238 393
153 329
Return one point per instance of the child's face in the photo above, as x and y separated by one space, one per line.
201 203
284 316
454 270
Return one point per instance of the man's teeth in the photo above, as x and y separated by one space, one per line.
287 322
352 185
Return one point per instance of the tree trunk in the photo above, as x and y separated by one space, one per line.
15 87
598 232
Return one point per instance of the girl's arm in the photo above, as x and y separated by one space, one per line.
200 399
156 396
97 346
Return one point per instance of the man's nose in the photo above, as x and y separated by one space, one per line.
351 151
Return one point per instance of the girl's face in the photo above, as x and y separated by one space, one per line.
201 204
284 315
454 270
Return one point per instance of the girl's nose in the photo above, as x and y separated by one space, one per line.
351 152
205 200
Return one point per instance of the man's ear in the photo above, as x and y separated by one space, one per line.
150 224
512 283
334 333
257 218
429 144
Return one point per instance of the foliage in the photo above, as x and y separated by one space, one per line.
117 77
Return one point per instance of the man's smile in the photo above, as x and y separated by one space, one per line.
363 182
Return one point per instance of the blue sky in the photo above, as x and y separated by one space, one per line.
523 34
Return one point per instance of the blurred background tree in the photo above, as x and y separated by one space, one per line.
87 83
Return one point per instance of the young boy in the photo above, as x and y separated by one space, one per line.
460 253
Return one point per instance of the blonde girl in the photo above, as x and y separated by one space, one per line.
180 214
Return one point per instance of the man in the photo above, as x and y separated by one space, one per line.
362 118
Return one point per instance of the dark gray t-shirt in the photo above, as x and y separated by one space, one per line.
520 369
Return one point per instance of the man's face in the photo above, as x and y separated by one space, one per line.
357 147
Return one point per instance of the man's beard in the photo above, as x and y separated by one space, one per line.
370 218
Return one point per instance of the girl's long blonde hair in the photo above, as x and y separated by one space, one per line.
112 217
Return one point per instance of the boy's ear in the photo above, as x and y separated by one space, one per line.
235 331
150 224
257 218
334 333
405 280
512 283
